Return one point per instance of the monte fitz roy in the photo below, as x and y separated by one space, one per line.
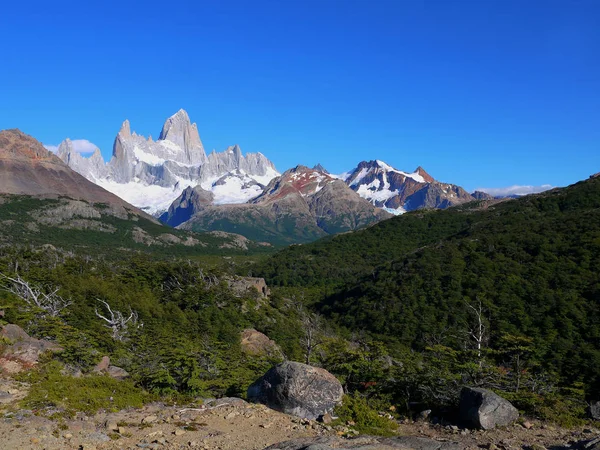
175 180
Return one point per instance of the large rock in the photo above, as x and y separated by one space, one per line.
297 389
256 343
481 408
595 410
23 350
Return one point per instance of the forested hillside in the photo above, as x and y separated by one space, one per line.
526 270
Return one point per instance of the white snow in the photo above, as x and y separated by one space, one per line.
415 176
342 176
374 195
266 178
363 173
148 158
233 191
151 198
397 211
171 146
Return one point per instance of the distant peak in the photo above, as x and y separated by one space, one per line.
428 178
384 165
320 168
179 130
181 113
125 128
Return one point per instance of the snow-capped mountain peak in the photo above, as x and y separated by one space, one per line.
397 191
151 174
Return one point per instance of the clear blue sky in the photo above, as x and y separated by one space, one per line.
479 92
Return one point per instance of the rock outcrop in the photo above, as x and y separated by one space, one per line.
179 130
594 410
297 389
482 408
191 201
256 343
241 285
23 351
105 367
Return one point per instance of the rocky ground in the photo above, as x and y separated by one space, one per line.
235 424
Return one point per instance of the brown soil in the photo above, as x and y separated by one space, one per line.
227 424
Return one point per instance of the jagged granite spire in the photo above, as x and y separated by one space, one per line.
179 130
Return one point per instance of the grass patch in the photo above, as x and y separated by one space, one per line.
49 388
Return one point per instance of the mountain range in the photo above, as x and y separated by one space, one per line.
172 178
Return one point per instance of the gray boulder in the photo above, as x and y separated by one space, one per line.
297 389
595 410
481 408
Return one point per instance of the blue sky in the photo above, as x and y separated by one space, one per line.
481 93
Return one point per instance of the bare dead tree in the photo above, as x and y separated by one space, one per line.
118 323
313 331
478 332
35 295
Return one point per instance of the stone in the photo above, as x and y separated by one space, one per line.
297 389
179 432
112 425
424 415
150 419
14 333
256 343
24 351
117 373
482 408
326 418
594 410
527 425
102 365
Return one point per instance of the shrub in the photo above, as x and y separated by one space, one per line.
367 420
50 388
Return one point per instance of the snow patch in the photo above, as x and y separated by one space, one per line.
152 198
395 211
148 158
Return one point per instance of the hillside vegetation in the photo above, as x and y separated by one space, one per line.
515 284
98 229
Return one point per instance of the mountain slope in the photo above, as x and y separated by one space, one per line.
300 206
533 264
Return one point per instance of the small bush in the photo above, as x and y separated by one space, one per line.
565 411
366 420
49 388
